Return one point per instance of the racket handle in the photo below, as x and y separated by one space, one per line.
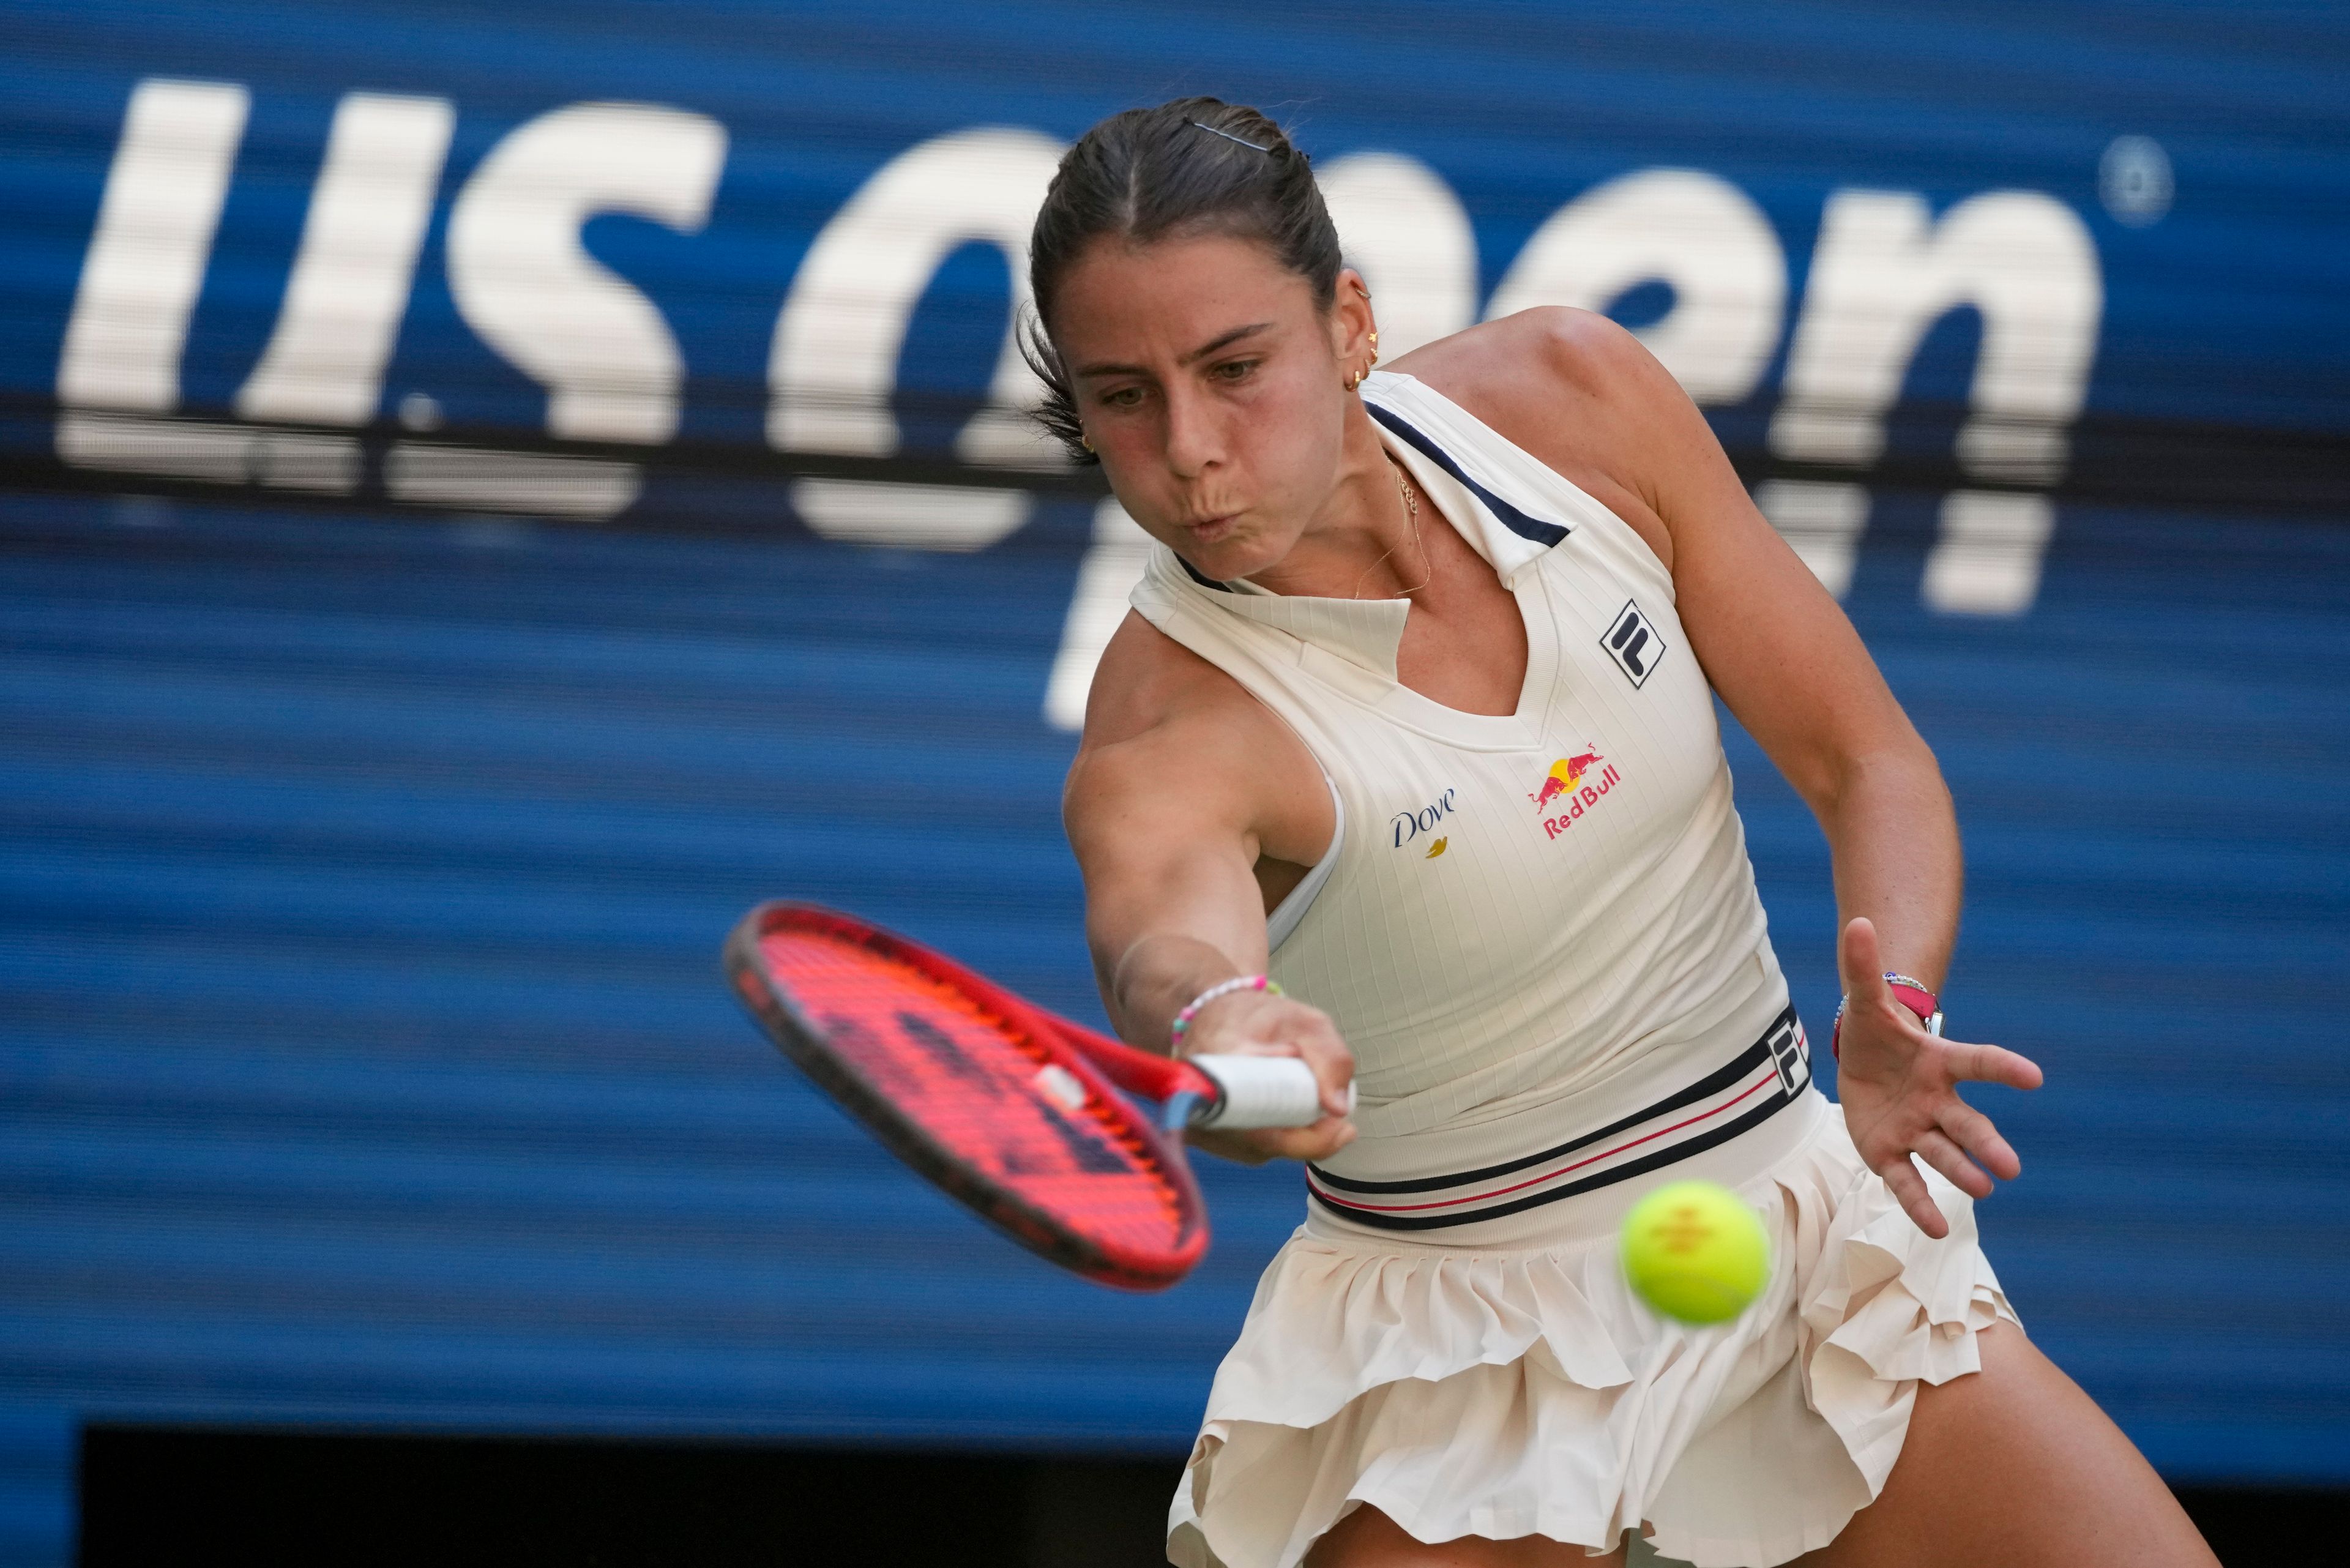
1260 1092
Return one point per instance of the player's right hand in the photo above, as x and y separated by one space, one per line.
1899 1088
1259 1024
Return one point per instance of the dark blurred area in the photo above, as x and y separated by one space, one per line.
152 1497
161 1497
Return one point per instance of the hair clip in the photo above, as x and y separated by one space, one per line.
1228 136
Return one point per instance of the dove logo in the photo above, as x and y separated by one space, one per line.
1407 825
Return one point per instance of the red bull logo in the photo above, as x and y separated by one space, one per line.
1576 784
1565 774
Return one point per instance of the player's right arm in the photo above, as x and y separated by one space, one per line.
1180 782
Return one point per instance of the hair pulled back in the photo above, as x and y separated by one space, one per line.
1192 166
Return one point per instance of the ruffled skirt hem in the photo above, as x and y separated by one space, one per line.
1526 1391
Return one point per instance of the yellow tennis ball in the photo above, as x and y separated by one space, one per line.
1694 1252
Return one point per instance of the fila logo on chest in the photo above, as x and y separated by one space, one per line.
1633 643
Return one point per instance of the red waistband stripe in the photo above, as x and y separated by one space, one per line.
1759 1082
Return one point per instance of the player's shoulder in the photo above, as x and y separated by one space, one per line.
1147 681
1159 718
1547 346
1523 372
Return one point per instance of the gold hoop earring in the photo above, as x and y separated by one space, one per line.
1354 381
1086 442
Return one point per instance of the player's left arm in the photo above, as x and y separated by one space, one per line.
1789 665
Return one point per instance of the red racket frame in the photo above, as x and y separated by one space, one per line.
1104 1065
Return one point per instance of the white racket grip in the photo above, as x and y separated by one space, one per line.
1264 1092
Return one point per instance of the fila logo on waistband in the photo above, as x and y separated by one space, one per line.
1790 1052
1633 643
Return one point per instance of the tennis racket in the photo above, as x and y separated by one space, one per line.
1011 1110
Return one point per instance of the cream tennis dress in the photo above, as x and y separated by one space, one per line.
1540 934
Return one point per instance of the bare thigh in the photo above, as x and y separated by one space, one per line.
2015 1466
1369 1539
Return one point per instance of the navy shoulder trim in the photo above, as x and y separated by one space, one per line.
1196 575
1517 522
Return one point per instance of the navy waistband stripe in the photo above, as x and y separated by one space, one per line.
1655 1160
1777 1062
1713 1082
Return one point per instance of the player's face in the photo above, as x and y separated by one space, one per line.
1210 384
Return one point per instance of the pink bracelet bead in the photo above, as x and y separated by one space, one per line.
1222 988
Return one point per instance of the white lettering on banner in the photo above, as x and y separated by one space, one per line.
1884 273
527 287
1698 233
833 363
216 453
1401 228
1105 579
146 260
1986 559
894 516
369 212
834 360
138 284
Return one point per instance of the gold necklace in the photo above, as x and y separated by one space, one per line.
1411 508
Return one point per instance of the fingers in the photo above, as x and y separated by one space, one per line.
1993 1065
1316 1040
1333 1069
1241 1147
1859 963
1257 1024
1972 1131
1254 1023
1947 1158
1320 1141
1909 1190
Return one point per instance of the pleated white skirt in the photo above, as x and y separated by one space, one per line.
1504 1381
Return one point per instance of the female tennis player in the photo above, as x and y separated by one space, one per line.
1414 715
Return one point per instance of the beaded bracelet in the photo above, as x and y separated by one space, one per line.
1222 988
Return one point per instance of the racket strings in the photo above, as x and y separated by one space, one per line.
976 1081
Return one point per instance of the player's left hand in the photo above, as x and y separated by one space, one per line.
1899 1087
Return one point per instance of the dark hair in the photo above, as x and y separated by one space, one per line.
1197 165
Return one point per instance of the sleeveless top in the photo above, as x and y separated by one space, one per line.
1538 931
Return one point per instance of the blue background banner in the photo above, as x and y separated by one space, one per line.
368 823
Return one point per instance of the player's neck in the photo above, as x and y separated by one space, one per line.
1364 542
